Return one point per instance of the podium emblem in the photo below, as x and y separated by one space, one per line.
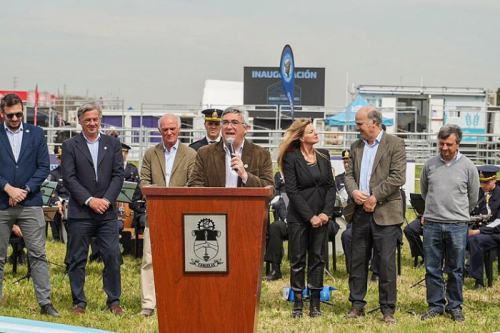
205 243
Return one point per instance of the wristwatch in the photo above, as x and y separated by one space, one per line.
27 188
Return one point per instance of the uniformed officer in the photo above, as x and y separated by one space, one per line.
131 174
60 196
212 125
484 237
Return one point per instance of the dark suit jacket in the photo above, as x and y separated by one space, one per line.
131 174
307 196
80 180
198 144
32 166
210 166
494 204
388 174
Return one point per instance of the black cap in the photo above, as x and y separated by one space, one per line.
58 151
487 172
126 147
345 154
212 114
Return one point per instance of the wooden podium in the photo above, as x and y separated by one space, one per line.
226 301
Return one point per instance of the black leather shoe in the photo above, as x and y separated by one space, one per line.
430 314
298 307
315 302
479 285
49 310
456 314
273 276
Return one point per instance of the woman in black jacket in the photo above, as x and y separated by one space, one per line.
311 189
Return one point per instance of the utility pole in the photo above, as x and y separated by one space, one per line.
15 83
64 103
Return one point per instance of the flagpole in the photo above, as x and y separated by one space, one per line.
36 106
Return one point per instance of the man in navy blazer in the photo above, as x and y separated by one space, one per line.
92 166
24 165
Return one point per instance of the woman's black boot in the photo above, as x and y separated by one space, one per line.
315 301
298 305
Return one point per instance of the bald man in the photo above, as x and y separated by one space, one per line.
376 170
168 164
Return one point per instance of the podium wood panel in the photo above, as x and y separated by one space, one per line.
208 302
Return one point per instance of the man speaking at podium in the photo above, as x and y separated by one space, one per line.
234 161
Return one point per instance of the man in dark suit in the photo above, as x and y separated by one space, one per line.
376 170
92 166
212 125
60 196
24 165
250 165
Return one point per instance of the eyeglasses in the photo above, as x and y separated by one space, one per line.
11 115
233 122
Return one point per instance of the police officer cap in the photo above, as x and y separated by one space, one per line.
212 114
58 151
487 172
126 147
345 154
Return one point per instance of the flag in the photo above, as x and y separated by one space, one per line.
37 96
287 71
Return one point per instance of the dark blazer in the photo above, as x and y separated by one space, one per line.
388 174
32 166
198 144
308 197
80 180
210 166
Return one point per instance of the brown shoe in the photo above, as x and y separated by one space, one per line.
78 310
354 313
116 310
389 318
147 312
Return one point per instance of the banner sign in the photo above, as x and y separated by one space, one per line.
287 71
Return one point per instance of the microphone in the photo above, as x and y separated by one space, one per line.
230 142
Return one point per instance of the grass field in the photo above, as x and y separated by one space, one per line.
481 308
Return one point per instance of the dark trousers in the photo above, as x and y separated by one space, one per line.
346 240
81 232
367 235
479 244
307 241
55 225
413 233
278 232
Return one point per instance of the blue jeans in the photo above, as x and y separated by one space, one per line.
444 242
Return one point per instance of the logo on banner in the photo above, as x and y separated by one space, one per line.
205 243
287 71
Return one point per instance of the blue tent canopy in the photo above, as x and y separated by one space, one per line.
341 118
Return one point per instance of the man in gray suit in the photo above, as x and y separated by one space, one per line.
376 170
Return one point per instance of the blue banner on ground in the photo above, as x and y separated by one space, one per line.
287 71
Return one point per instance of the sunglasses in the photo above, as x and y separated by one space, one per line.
11 115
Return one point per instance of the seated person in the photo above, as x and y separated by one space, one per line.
413 231
481 237
21 255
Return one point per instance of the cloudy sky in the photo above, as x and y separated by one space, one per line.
162 51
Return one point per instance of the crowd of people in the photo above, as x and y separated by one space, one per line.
92 167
